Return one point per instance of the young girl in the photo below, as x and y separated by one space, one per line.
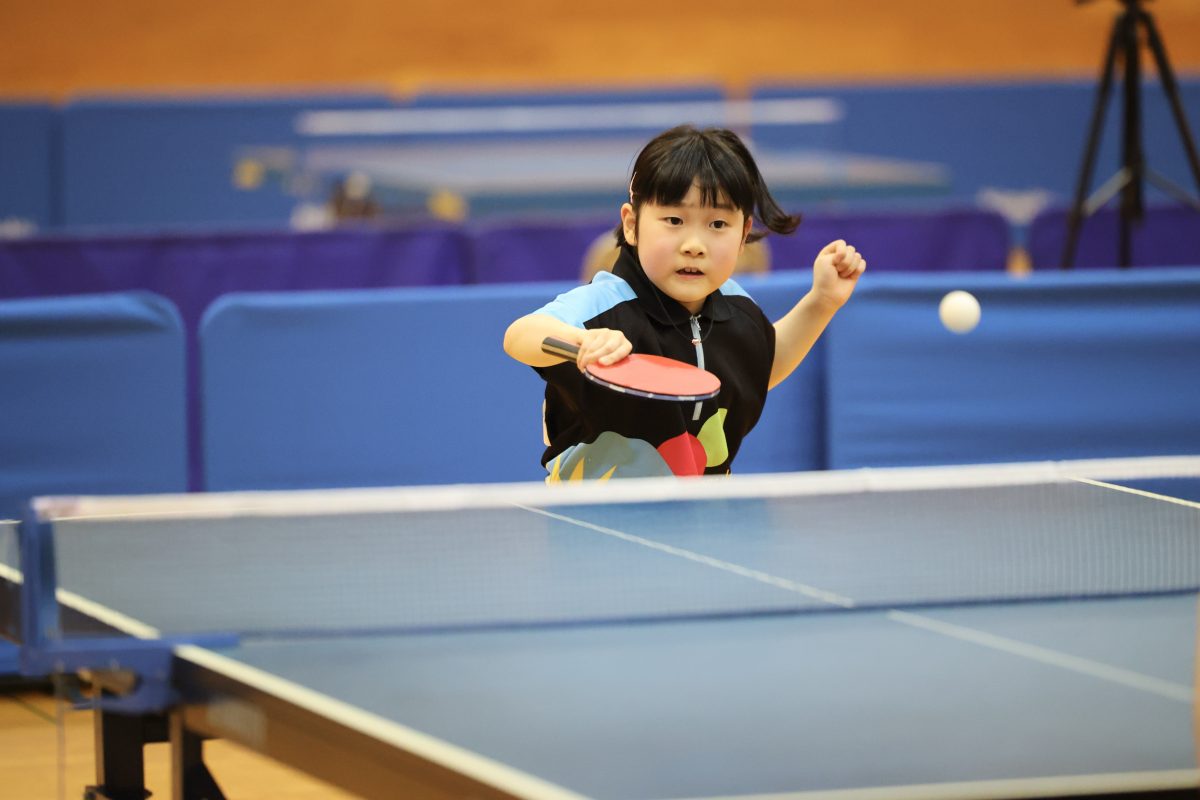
692 202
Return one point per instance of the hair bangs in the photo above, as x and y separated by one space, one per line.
695 159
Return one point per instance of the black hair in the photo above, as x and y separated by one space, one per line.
719 162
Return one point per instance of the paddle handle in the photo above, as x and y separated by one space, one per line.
557 347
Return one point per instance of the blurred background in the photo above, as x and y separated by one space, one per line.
274 245
463 154
149 115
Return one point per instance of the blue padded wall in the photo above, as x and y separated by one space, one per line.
1085 364
369 388
95 397
193 270
411 386
790 434
28 163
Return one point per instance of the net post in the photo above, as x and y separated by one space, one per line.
40 622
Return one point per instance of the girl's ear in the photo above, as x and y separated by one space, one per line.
746 229
629 223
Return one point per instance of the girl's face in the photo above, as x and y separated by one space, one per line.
687 250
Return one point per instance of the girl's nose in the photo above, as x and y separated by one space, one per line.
693 246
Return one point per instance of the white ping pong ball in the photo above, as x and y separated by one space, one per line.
959 311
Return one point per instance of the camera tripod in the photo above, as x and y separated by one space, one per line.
1128 181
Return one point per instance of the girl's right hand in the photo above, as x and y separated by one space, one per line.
603 345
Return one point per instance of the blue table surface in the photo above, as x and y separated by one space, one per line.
794 703
705 706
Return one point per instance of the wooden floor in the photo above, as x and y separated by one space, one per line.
31 742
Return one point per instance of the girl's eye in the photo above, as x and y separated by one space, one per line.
720 223
673 220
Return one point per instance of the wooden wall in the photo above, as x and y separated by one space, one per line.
58 47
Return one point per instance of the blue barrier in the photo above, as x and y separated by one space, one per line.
28 162
377 388
193 270
790 435
395 386
1063 365
368 388
96 397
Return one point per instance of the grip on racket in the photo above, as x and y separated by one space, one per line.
557 347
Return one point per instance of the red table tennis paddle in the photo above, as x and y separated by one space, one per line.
653 377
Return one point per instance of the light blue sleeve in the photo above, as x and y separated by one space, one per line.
584 303
731 288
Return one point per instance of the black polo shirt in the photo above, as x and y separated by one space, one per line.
598 433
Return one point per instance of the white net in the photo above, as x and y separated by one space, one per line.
343 562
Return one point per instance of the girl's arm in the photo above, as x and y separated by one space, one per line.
835 274
523 341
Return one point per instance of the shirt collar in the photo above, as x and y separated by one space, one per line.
669 311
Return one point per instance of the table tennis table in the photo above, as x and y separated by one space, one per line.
582 175
562 176
983 631
564 157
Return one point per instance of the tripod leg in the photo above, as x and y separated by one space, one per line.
1169 187
1133 158
1171 87
1095 128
